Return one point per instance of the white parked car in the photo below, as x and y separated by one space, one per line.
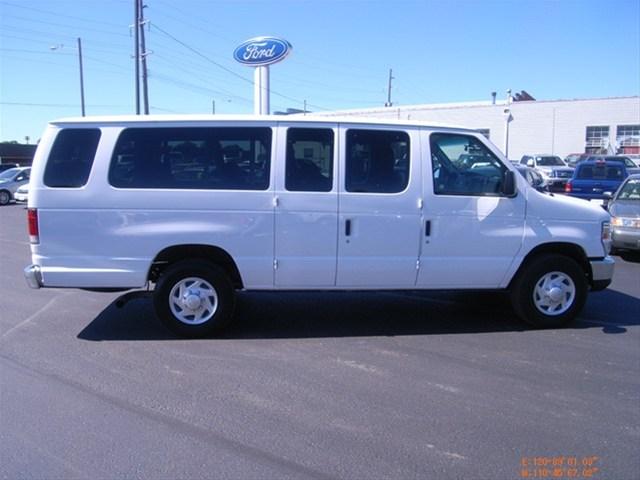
22 193
200 206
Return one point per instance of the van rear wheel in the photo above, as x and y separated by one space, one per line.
194 298
550 292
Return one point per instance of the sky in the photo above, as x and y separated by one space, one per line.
440 51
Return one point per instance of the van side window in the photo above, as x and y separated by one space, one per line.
224 158
71 158
309 162
377 161
462 165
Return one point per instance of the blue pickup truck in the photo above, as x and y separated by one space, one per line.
597 179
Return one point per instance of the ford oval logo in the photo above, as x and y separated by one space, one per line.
262 51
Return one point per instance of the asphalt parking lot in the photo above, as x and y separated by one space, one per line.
314 385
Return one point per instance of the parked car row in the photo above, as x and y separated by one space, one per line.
10 181
599 176
601 173
612 179
552 168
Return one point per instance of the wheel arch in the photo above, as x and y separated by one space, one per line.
571 250
176 253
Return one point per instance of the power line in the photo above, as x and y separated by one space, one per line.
52 36
244 79
188 23
57 14
66 25
195 88
202 55
202 76
28 104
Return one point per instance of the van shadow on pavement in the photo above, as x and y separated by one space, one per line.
272 315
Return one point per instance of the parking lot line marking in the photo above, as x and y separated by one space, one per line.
31 317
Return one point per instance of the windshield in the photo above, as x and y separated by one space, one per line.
9 173
550 162
630 190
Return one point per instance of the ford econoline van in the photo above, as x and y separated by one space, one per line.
198 207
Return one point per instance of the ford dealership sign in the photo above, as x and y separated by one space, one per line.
260 51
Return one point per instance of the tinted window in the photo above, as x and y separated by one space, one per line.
71 157
377 161
600 172
550 162
462 165
309 163
192 158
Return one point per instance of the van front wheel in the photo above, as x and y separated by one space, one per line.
194 298
550 292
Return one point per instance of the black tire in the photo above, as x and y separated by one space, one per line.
205 308
5 197
563 275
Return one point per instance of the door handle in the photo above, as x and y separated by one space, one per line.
427 228
347 227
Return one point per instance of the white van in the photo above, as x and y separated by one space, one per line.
201 206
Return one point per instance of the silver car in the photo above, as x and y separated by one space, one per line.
10 180
624 208
552 168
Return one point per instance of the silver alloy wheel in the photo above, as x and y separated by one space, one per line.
4 197
193 301
554 293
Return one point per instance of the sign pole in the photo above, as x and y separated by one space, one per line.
261 90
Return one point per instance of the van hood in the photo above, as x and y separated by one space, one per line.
562 207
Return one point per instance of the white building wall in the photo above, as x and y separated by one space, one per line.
557 127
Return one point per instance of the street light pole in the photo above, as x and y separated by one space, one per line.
81 76
60 46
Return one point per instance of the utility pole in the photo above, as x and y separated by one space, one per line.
81 76
213 107
136 34
143 57
391 77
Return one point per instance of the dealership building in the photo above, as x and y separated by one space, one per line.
521 125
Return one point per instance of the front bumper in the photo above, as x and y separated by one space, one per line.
602 272
625 238
33 276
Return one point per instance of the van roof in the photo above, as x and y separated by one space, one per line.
150 119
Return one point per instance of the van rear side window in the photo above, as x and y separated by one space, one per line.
71 158
222 158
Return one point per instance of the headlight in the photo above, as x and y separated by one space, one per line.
625 222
